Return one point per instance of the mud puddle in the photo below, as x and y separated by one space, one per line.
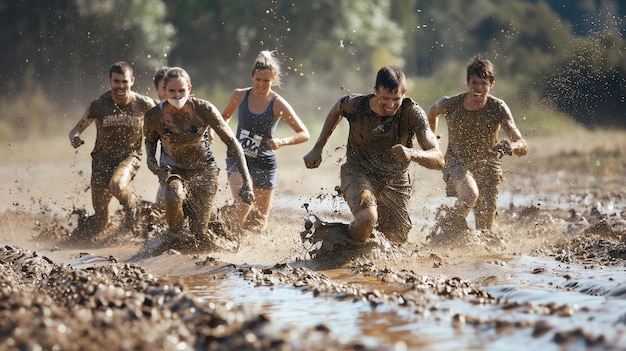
377 328
535 303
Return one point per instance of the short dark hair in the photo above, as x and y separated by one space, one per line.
120 67
482 68
159 75
390 78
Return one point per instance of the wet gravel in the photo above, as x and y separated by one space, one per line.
45 305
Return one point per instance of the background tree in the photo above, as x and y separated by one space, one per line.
58 51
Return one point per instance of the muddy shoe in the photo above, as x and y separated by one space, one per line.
206 241
490 239
330 234
181 240
154 246
450 228
87 231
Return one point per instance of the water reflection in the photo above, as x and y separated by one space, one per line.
544 310
380 327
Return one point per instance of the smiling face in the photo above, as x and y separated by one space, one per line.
388 102
479 88
262 81
121 85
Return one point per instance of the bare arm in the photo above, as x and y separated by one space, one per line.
314 157
282 109
226 134
151 140
518 144
233 103
430 156
80 127
433 116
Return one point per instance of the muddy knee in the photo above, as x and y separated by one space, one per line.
174 191
364 223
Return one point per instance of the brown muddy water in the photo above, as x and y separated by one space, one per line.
566 293
572 308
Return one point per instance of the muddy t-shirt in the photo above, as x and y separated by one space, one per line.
119 128
473 134
184 138
371 136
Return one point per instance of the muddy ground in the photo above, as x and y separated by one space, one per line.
560 220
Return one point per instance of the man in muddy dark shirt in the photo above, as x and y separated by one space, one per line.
374 179
116 156
473 168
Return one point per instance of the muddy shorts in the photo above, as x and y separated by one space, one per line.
200 187
103 169
391 196
487 174
263 171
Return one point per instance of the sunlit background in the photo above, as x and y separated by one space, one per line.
557 62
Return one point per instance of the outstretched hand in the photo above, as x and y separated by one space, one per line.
246 194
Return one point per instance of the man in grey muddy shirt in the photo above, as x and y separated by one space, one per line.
116 156
374 179
473 168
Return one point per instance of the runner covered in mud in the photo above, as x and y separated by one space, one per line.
473 168
187 164
116 157
374 179
260 109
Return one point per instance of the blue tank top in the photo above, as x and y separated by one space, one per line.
253 131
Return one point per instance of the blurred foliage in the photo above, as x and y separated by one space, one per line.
561 57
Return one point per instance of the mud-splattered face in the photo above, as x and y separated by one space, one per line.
388 102
479 88
121 85
178 88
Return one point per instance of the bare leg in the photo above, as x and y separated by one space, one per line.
174 197
100 199
121 179
467 192
200 196
262 202
241 211
485 210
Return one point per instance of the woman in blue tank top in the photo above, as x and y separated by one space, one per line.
259 111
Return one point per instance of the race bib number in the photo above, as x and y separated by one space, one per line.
250 142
